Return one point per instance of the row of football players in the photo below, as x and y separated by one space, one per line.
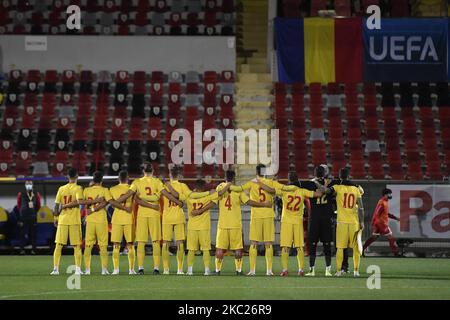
154 197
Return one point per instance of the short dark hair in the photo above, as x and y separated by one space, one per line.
386 191
97 177
175 171
344 173
259 168
319 172
293 178
230 175
72 173
123 176
200 184
147 167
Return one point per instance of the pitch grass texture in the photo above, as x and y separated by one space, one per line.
401 278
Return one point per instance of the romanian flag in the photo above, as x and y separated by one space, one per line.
319 50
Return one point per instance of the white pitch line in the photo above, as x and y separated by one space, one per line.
197 288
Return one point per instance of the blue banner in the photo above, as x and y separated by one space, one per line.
406 50
290 50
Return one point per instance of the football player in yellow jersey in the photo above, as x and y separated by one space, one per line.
96 222
350 219
291 233
68 221
229 227
122 222
262 224
147 191
199 223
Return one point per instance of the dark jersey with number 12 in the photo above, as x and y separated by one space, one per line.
321 207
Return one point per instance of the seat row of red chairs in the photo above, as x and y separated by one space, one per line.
346 8
123 20
379 142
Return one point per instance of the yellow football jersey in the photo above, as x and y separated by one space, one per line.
203 221
121 216
347 203
92 193
259 195
147 186
172 213
230 214
66 194
293 204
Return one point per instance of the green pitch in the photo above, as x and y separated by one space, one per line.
408 278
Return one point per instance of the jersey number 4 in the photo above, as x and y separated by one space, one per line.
228 202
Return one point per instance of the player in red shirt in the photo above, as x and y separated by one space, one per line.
380 222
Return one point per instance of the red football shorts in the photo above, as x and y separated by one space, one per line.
381 229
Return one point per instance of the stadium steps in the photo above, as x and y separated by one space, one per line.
254 83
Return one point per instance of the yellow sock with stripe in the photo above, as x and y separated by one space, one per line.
218 264
165 256
356 259
269 257
339 259
238 264
104 256
190 258
131 257
141 254
206 259
57 256
87 257
116 255
77 255
156 255
252 257
180 256
300 258
284 258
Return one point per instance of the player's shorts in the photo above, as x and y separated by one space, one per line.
262 229
291 234
346 235
68 232
177 229
121 230
96 232
320 230
146 226
229 239
199 239
381 229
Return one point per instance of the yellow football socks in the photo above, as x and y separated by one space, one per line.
141 254
77 255
252 257
165 256
284 258
206 259
57 255
104 256
116 254
190 258
131 257
356 259
238 264
269 257
218 264
180 255
156 255
300 258
87 257
339 258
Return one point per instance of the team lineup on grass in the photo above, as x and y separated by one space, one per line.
160 217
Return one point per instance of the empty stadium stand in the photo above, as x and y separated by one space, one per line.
52 119
382 131
120 17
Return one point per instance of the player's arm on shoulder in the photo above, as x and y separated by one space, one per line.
145 204
172 190
169 196
205 208
265 187
224 189
257 204
199 195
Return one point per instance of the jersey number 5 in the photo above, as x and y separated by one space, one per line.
262 195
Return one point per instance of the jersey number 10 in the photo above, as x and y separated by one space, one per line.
349 200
